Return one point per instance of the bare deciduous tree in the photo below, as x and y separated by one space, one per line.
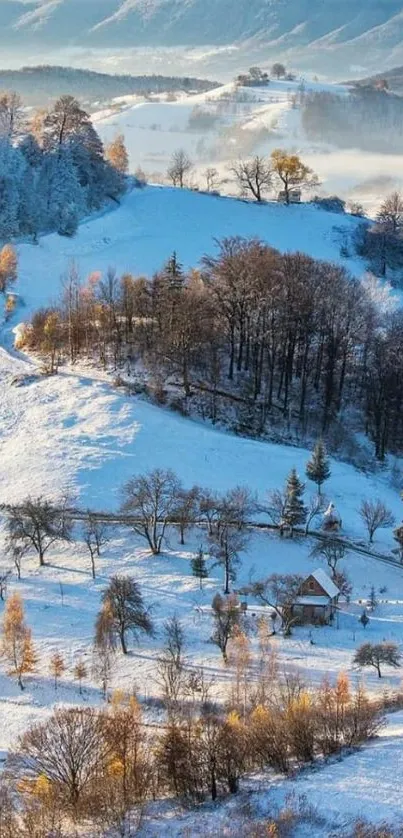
179 167
123 611
253 176
171 675
37 524
330 549
278 591
95 537
375 515
227 617
374 655
151 499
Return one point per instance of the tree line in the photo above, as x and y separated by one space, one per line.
262 341
54 168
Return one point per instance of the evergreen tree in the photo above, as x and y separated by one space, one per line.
173 271
199 567
318 468
372 600
294 510
364 619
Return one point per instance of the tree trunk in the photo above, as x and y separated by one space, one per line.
123 641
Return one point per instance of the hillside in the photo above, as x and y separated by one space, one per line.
393 77
328 32
38 86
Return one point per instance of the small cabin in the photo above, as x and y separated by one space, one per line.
317 600
294 196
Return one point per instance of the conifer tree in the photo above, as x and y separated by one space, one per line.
294 510
17 646
173 271
199 567
318 468
57 667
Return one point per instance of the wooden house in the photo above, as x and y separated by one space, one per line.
317 599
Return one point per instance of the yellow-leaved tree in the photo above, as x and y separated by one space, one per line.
8 266
117 155
291 173
17 646
57 667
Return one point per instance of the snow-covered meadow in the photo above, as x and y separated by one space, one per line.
243 122
76 432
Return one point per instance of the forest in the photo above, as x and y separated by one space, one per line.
262 342
369 119
53 168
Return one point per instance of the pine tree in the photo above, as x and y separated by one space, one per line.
199 567
294 510
117 156
318 468
17 646
173 271
364 619
372 600
57 667
80 672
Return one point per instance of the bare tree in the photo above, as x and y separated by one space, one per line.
374 655
278 70
390 213
212 179
11 115
375 515
171 663
68 749
277 506
229 535
179 167
227 616
37 524
330 549
95 537
185 513
123 611
4 577
151 499
280 592
316 506
252 176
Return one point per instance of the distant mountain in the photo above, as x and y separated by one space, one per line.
40 85
321 31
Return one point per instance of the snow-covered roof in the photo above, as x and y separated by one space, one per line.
312 600
325 582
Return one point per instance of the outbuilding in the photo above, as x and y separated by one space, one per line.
317 600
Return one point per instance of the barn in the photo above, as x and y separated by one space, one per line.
317 600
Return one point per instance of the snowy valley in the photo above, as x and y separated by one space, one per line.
76 433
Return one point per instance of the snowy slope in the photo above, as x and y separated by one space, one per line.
140 235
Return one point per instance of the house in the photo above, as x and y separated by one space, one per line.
317 599
294 196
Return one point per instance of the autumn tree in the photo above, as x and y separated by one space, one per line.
56 667
226 617
253 176
80 673
8 266
37 524
375 654
123 611
180 166
151 500
17 646
318 467
291 172
117 155
375 515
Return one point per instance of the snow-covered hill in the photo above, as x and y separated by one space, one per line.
326 31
